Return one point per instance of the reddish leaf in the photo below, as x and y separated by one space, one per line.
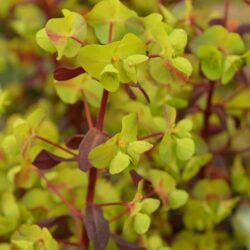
96 226
51 221
243 29
93 138
74 141
123 244
63 73
47 160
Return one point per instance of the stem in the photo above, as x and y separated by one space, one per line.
121 203
87 111
100 119
159 134
110 32
54 144
52 187
226 10
207 113
154 56
118 216
77 40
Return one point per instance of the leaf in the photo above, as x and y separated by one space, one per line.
99 157
67 34
119 163
70 90
184 127
231 66
63 73
141 223
10 145
177 198
102 14
162 182
44 42
129 127
233 44
93 58
74 141
150 205
46 160
178 39
213 36
123 244
211 61
194 164
183 65
166 148
96 226
131 46
139 147
109 78
93 138
185 148
134 60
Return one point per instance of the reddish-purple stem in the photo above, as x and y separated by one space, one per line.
208 110
53 144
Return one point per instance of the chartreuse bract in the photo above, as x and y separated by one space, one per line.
137 150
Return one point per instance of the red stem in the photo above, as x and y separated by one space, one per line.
226 10
52 187
100 119
53 144
207 113
77 40
154 56
121 203
87 111
159 134
118 216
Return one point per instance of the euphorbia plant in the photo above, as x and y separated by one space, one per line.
136 162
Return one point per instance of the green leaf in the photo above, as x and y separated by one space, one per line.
194 164
10 145
167 148
36 118
49 242
214 36
183 65
130 45
70 91
177 198
99 157
161 180
230 67
119 163
134 60
233 44
211 61
141 223
150 205
139 147
104 13
185 125
93 58
178 39
129 127
44 42
110 79
185 148
63 33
